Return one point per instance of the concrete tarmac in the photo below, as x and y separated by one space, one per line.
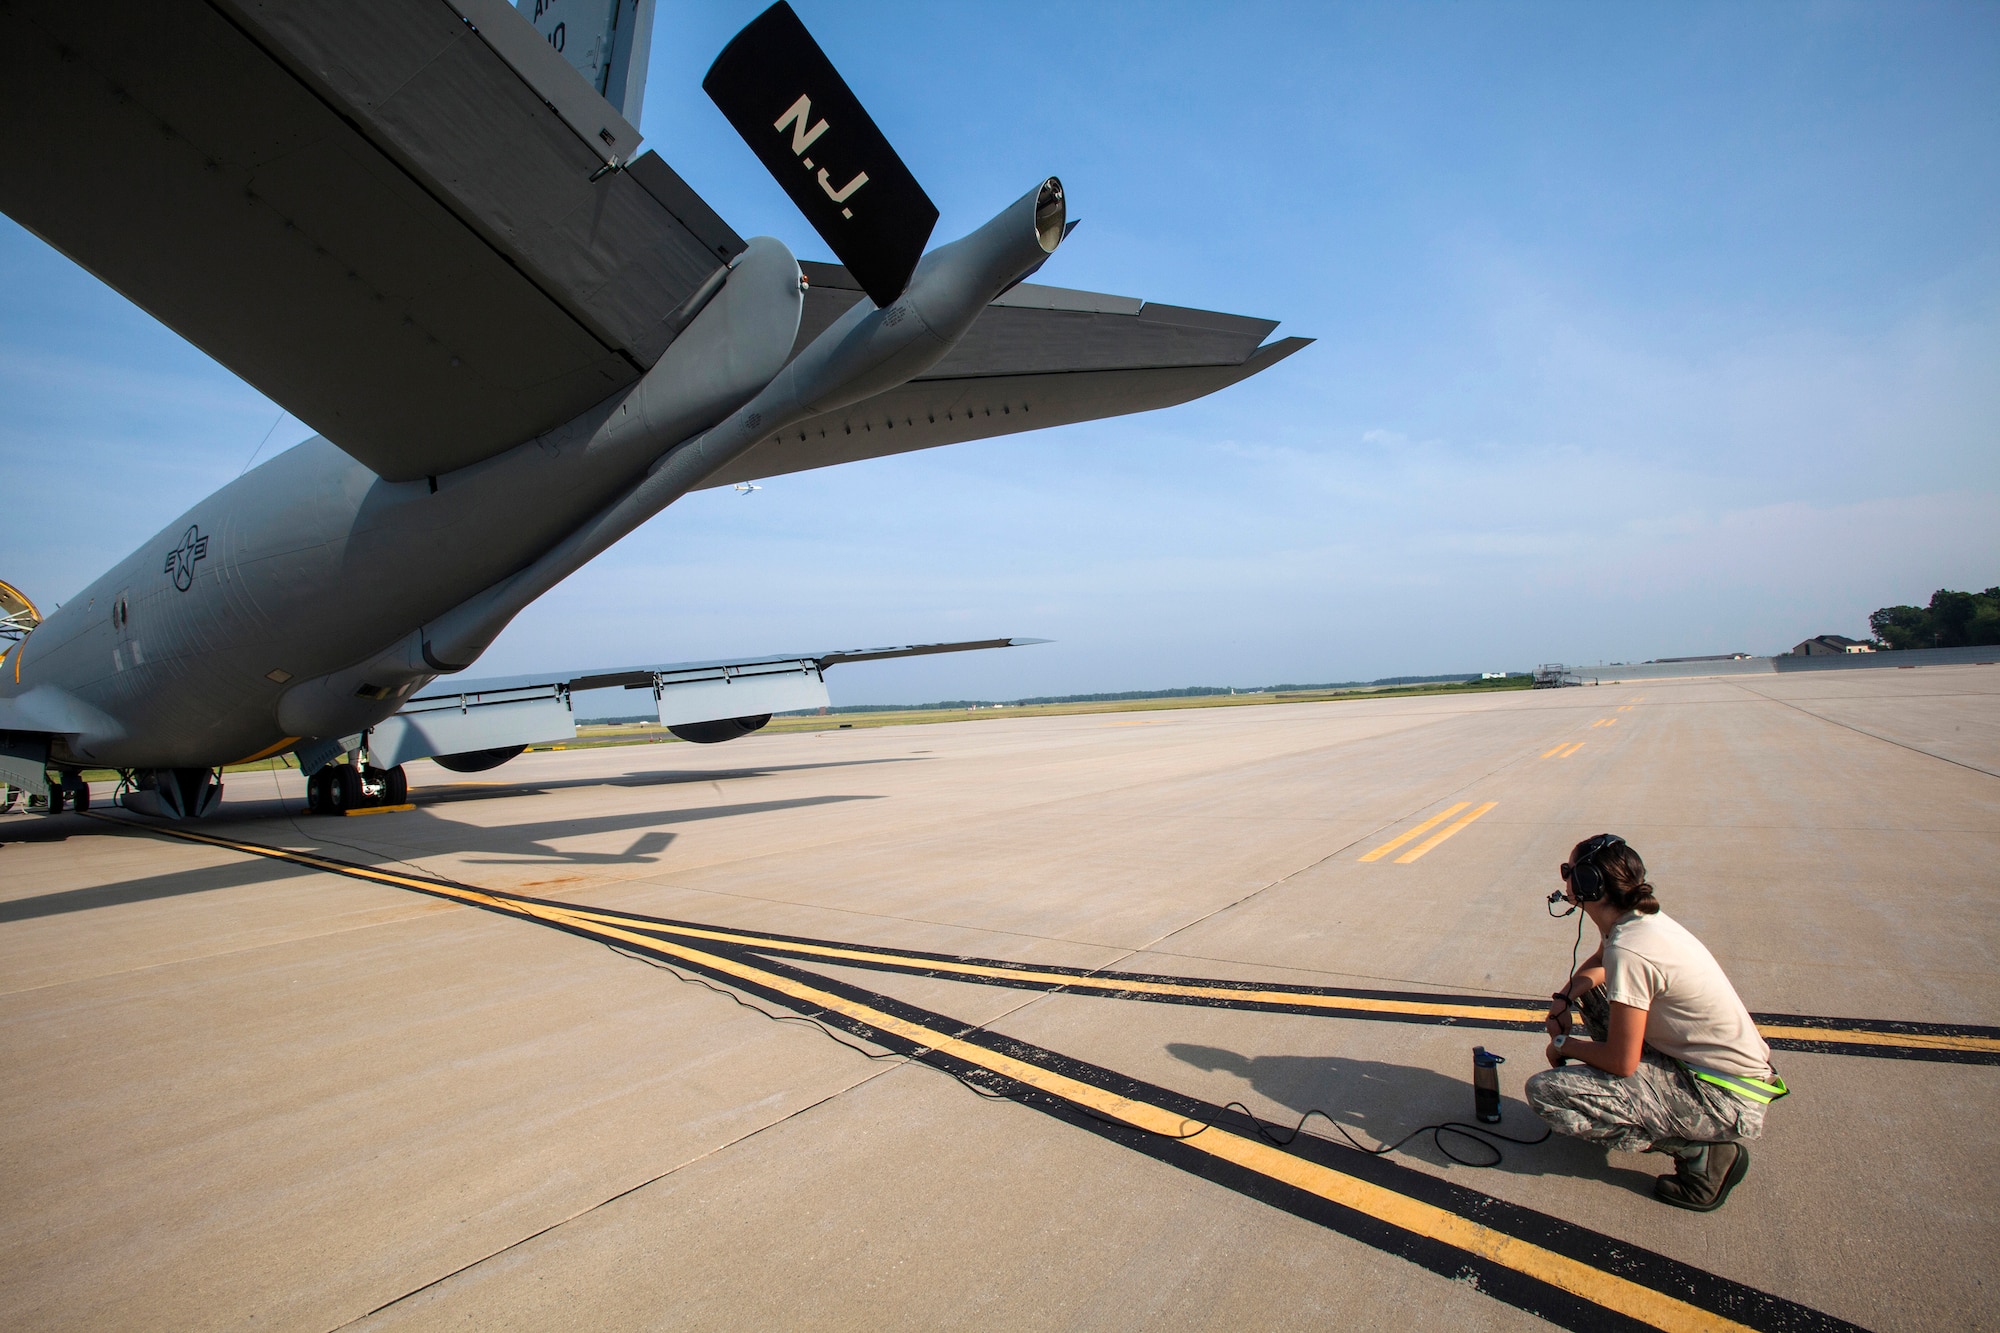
246 1091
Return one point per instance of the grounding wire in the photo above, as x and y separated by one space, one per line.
1266 1131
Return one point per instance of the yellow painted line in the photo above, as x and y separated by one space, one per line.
380 809
1550 754
1416 832
506 903
1603 1289
1574 747
1441 835
1857 1037
1624 708
1125 986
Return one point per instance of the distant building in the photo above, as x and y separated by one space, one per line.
1831 645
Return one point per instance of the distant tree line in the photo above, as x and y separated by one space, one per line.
1184 692
1952 620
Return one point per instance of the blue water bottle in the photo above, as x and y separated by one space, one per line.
1486 1085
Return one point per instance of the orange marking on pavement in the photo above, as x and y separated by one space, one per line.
1416 832
1442 834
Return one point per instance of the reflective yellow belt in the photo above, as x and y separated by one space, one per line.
1755 1089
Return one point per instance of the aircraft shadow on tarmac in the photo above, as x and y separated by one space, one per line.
1380 1103
445 793
171 885
420 834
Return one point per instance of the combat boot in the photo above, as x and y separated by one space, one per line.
1703 1178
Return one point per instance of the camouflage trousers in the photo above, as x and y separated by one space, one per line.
1659 1103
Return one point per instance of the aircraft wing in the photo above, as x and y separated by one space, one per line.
390 216
1039 356
703 701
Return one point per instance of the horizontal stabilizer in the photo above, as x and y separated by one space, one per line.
924 414
782 94
1038 356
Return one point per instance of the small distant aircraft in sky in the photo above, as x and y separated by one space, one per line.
745 487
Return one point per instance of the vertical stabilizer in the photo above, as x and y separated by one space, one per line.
606 41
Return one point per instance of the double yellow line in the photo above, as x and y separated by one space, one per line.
1144 987
1563 751
1428 843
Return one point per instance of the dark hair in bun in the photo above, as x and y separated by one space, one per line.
1625 885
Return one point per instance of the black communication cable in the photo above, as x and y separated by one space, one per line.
1479 1134
824 1030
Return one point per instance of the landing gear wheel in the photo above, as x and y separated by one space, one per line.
396 787
79 795
343 791
318 797
58 797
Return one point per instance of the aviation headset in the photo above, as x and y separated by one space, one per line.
1585 877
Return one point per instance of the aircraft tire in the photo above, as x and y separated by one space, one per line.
395 786
58 798
79 794
344 790
316 799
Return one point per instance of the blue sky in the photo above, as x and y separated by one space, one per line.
1642 331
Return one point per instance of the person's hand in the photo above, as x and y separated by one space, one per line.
1555 1056
1559 1022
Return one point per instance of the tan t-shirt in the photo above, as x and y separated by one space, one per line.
1692 1012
